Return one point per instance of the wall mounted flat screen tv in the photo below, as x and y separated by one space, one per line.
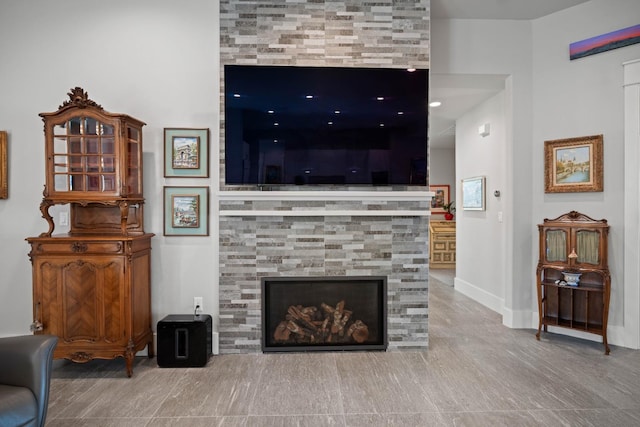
289 125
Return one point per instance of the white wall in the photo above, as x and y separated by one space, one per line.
442 171
156 60
551 98
586 96
482 156
500 47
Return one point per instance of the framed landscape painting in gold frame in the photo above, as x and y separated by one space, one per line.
573 165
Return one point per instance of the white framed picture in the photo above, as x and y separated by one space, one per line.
473 193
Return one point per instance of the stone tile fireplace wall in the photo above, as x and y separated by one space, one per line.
322 238
322 235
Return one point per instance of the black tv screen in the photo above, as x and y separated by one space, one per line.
287 125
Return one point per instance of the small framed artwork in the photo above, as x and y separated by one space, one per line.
4 162
440 198
573 165
186 153
473 193
186 211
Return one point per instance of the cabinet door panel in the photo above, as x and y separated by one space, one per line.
82 300
141 302
113 303
48 297
79 302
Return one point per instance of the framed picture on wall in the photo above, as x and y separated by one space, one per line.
473 193
440 198
573 165
186 153
186 211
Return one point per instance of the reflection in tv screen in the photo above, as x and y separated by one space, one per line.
288 125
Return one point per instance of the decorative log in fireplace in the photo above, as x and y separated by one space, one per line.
324 313
327 325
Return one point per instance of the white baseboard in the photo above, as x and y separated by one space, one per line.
215 344
520 319
479 295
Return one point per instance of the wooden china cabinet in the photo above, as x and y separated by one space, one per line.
91 286
574 243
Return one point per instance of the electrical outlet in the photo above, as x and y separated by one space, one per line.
197 305
64 218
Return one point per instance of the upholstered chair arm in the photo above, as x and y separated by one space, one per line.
26 361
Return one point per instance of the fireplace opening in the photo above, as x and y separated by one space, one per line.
324 313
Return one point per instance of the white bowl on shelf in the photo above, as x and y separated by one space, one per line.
572 279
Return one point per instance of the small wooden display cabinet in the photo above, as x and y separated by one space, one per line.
573 243
91 286
442 247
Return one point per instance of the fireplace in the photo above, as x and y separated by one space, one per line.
324 313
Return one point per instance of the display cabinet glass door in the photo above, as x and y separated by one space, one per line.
557 245
84 156
587 247
133 161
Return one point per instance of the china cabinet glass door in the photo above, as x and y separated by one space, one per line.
556 245
84 156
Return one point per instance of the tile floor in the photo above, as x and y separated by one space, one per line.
475 373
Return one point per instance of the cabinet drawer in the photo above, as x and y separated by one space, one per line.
440 246
79 247
444 236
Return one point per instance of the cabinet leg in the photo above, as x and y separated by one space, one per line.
129 359
150 350
539 329
129 355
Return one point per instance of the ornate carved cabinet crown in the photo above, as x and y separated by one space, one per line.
573 280
91 286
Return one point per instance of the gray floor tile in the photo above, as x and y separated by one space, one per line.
476 372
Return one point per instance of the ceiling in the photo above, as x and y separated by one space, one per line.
461 93
498 9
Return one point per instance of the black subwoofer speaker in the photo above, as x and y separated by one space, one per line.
184 340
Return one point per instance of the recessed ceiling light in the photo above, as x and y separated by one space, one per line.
270 111
309 96
236 95
336 112
435 104
411 70
380 98
400 113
